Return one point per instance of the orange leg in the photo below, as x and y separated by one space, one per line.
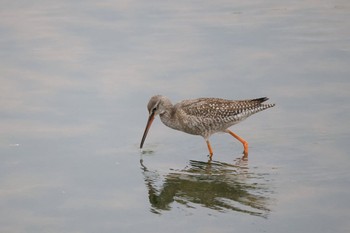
210 149
244 142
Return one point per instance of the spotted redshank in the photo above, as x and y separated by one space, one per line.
203 116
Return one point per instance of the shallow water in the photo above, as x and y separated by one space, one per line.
76 79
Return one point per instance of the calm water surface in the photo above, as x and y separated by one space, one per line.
75 81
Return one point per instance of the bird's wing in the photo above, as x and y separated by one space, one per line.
214 107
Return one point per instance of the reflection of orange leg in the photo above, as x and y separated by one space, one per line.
244 142
210 149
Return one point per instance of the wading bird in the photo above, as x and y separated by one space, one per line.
203 116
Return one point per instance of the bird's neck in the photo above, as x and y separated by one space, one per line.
168 117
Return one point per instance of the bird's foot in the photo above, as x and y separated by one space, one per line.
245 156
210 157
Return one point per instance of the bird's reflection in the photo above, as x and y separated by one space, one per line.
215 185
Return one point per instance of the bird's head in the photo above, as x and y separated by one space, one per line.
157 105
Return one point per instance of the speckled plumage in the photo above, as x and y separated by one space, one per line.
203 116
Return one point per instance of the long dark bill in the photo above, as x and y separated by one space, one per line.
149 123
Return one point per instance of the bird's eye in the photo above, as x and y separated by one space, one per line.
154 109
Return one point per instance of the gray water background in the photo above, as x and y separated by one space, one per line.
76 77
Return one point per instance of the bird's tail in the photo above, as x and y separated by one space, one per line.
259 106
260 100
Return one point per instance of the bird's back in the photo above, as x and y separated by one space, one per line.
205 116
